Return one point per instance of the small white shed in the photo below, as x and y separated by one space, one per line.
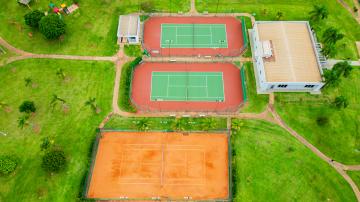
129 29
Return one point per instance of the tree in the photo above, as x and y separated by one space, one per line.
55 99
28 81
52 26
61 73
332 78
319 12
91 102
143 125
341 102
208 124
179 125
33 18
332 35
27 107
23 121
343 68
279 15
54 161
7 164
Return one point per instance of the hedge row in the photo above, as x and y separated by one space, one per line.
125 85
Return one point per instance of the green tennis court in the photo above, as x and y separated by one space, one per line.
187 86
193 36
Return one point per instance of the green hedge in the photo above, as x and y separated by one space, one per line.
125 86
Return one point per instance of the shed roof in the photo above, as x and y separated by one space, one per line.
128 25
295 58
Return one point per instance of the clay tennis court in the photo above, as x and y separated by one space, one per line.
149 165
193 36
198 87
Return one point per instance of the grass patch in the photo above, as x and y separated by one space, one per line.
91 30
72 128
166 123
268 163
256 103
355 175
340 137
295 10
125 86
133 50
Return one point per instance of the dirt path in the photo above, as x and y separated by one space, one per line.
193 10
351 11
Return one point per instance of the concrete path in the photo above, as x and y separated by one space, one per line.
193 10
331 62
351 10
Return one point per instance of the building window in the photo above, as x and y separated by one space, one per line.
309 86
282 86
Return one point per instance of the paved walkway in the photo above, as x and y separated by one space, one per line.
331 62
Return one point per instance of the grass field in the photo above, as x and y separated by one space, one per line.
91 30
193 36
295 10
187 86
256 103
269 164
340 138
72 129
355 175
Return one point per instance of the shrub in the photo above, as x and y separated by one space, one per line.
33 18
125 84
147 6
27 107
54 161
7 164
322 120
52 26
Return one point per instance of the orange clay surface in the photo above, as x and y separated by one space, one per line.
166 165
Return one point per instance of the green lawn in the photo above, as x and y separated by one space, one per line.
295 10
72 129
340 138
269 164
256 103
91 30
355 175
166 123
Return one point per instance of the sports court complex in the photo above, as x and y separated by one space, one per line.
160 166
194 36
187 87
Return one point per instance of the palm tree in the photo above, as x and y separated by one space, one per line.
28 81
328 50
55 99
341 102
23 121
60 73
279 15
91 102
179 125
332 78
236 124
343 68
143 125
320 12
332 35
208 124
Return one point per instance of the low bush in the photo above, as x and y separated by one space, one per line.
322 120
7 165
54 161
